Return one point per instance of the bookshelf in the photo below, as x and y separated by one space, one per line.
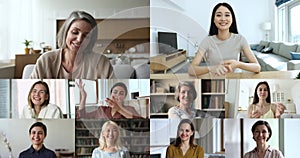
210 98
134 134
213 97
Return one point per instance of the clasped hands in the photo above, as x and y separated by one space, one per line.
224 67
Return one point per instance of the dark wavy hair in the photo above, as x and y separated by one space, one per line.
256 99
261 122
213 28
46 102
178 140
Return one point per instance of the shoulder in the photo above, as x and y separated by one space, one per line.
51 54
173 109
249 153
95 56
275 151
52 106
198 147
97 151
171 147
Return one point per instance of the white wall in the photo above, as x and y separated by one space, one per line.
35 19
60 134
249 15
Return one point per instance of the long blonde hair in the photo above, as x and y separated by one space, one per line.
102 140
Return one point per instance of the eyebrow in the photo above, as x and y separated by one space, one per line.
222 12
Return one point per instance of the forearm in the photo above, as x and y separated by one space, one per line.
126 113
253 67
198 70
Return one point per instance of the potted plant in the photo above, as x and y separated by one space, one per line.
27 44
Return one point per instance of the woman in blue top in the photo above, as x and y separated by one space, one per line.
222 48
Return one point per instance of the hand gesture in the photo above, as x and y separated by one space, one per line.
113 103
256 114
231 65
279 110
81 85
218 70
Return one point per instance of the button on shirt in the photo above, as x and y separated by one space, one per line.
42 153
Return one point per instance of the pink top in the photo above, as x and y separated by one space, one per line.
270 153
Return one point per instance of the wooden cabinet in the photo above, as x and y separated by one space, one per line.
22 60
164 62
134 134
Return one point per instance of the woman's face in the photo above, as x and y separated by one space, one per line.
185 95
262 91
37 135
261 134
77 35
119 94
39 95
185 132
110 133
223 18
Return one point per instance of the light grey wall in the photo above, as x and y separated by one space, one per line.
61 134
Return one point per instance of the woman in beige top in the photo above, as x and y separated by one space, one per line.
262 132
261 106
75 57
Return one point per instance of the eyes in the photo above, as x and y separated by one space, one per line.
39 91
262 89
118 92
184 130
78 32
221 14
37 132
258 132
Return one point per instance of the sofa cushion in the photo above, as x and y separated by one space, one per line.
285 50
267 50
275 47
259 48
295 55
264 43
298 48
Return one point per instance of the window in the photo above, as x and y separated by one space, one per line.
294 15
288 23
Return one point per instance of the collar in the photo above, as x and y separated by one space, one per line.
268 149
32 150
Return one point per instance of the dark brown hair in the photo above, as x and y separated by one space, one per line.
261 122
178 140
256 99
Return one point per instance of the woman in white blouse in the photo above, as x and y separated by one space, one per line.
38 103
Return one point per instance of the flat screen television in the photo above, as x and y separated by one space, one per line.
167 42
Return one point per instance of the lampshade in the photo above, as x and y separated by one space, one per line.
266 26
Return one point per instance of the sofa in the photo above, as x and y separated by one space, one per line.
277 56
